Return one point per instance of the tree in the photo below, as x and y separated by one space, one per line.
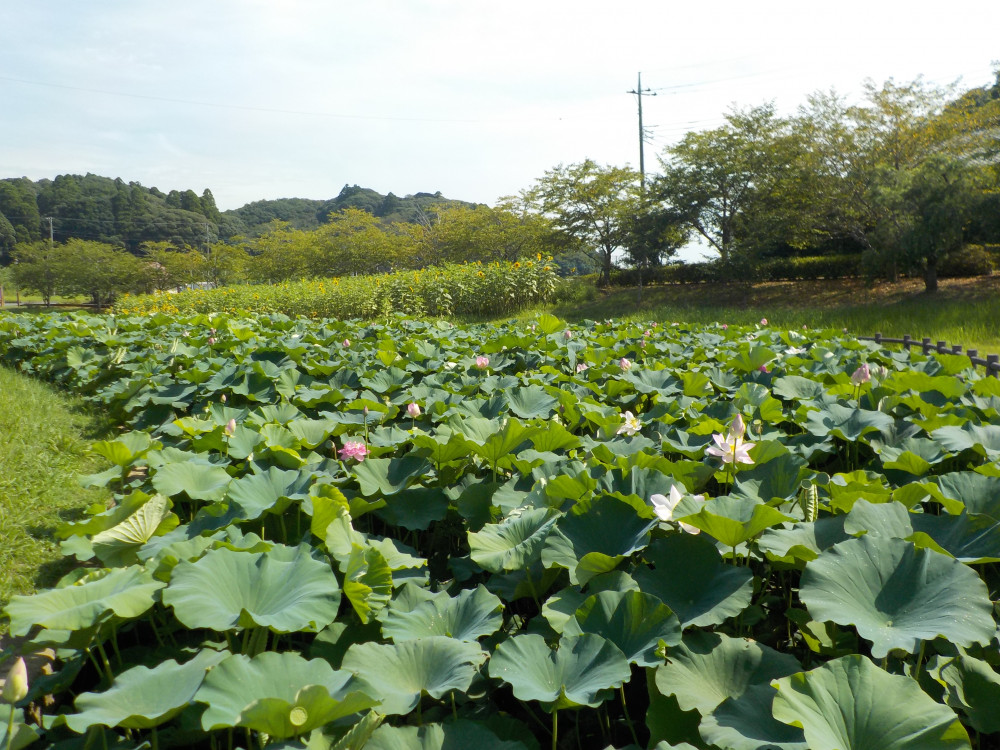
930 206
590 205
739 186
505 232
35 269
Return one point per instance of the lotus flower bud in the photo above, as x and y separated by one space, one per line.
567 334
624 364
763 321
413 409
15 689
230 428
861 375
222 398
482 362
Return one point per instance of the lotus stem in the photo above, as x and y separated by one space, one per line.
920 661
555 729
10 728
454 709
628 719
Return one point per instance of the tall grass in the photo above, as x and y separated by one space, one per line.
44 436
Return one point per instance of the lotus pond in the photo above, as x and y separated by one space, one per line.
415 535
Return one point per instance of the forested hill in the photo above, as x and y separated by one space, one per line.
127 213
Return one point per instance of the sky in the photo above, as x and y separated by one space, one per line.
259 100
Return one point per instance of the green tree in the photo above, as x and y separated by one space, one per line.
356 242
36 269
96 269
505 232
740 186
591 206
18 204
930 206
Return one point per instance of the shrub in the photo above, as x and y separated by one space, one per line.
971 260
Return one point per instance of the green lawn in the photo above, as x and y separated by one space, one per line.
44 436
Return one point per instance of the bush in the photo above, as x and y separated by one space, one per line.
469 289
810 267
971 260
773 269
574 290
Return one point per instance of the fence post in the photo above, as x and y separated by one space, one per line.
878 337
973 353
907 341
956 349
926 345
992 364
942 347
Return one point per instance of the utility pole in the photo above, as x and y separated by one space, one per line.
639 91
51 234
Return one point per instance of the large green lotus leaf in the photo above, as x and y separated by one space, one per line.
911 454
442 446
977 492
284 589
142 697
282 695
256 494
777 479
125 449
513 544
971 539
984 439
847 488
922 382
972 686
878 519
580 672
471 614
118 545
746 723
734 520
460 735
387 476
555 438
125 592
635 622
850 703
845 422
648 380
689 576
606 530
531 402
750 358
367 581
400 673
200 481
797 543
708 668
795 387
897 595
312 432
415 509
499 444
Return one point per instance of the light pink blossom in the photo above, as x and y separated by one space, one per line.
624 364
413 409
211 340
664 508
346 343
567 334
482 362
230 428
731 447
725 326
763 321
581 367
861 375
355 449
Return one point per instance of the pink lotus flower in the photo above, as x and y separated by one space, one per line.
413 409
763 368
731 448
211 341
725 326
763 321
664 507
230 428
581 367
567 334
353 449
482 362
647 333
861 375
346 343
624 364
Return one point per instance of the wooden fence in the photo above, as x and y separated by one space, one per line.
991 363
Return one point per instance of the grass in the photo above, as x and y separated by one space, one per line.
962 311
44 436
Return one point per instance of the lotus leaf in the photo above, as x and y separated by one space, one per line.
459 735
285 589
851 703
470 615
401 673
513 544
635 622
580 672
897 595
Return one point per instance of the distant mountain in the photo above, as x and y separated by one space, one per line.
128 214
309 214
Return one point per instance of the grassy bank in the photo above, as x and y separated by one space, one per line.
44 437
962 311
